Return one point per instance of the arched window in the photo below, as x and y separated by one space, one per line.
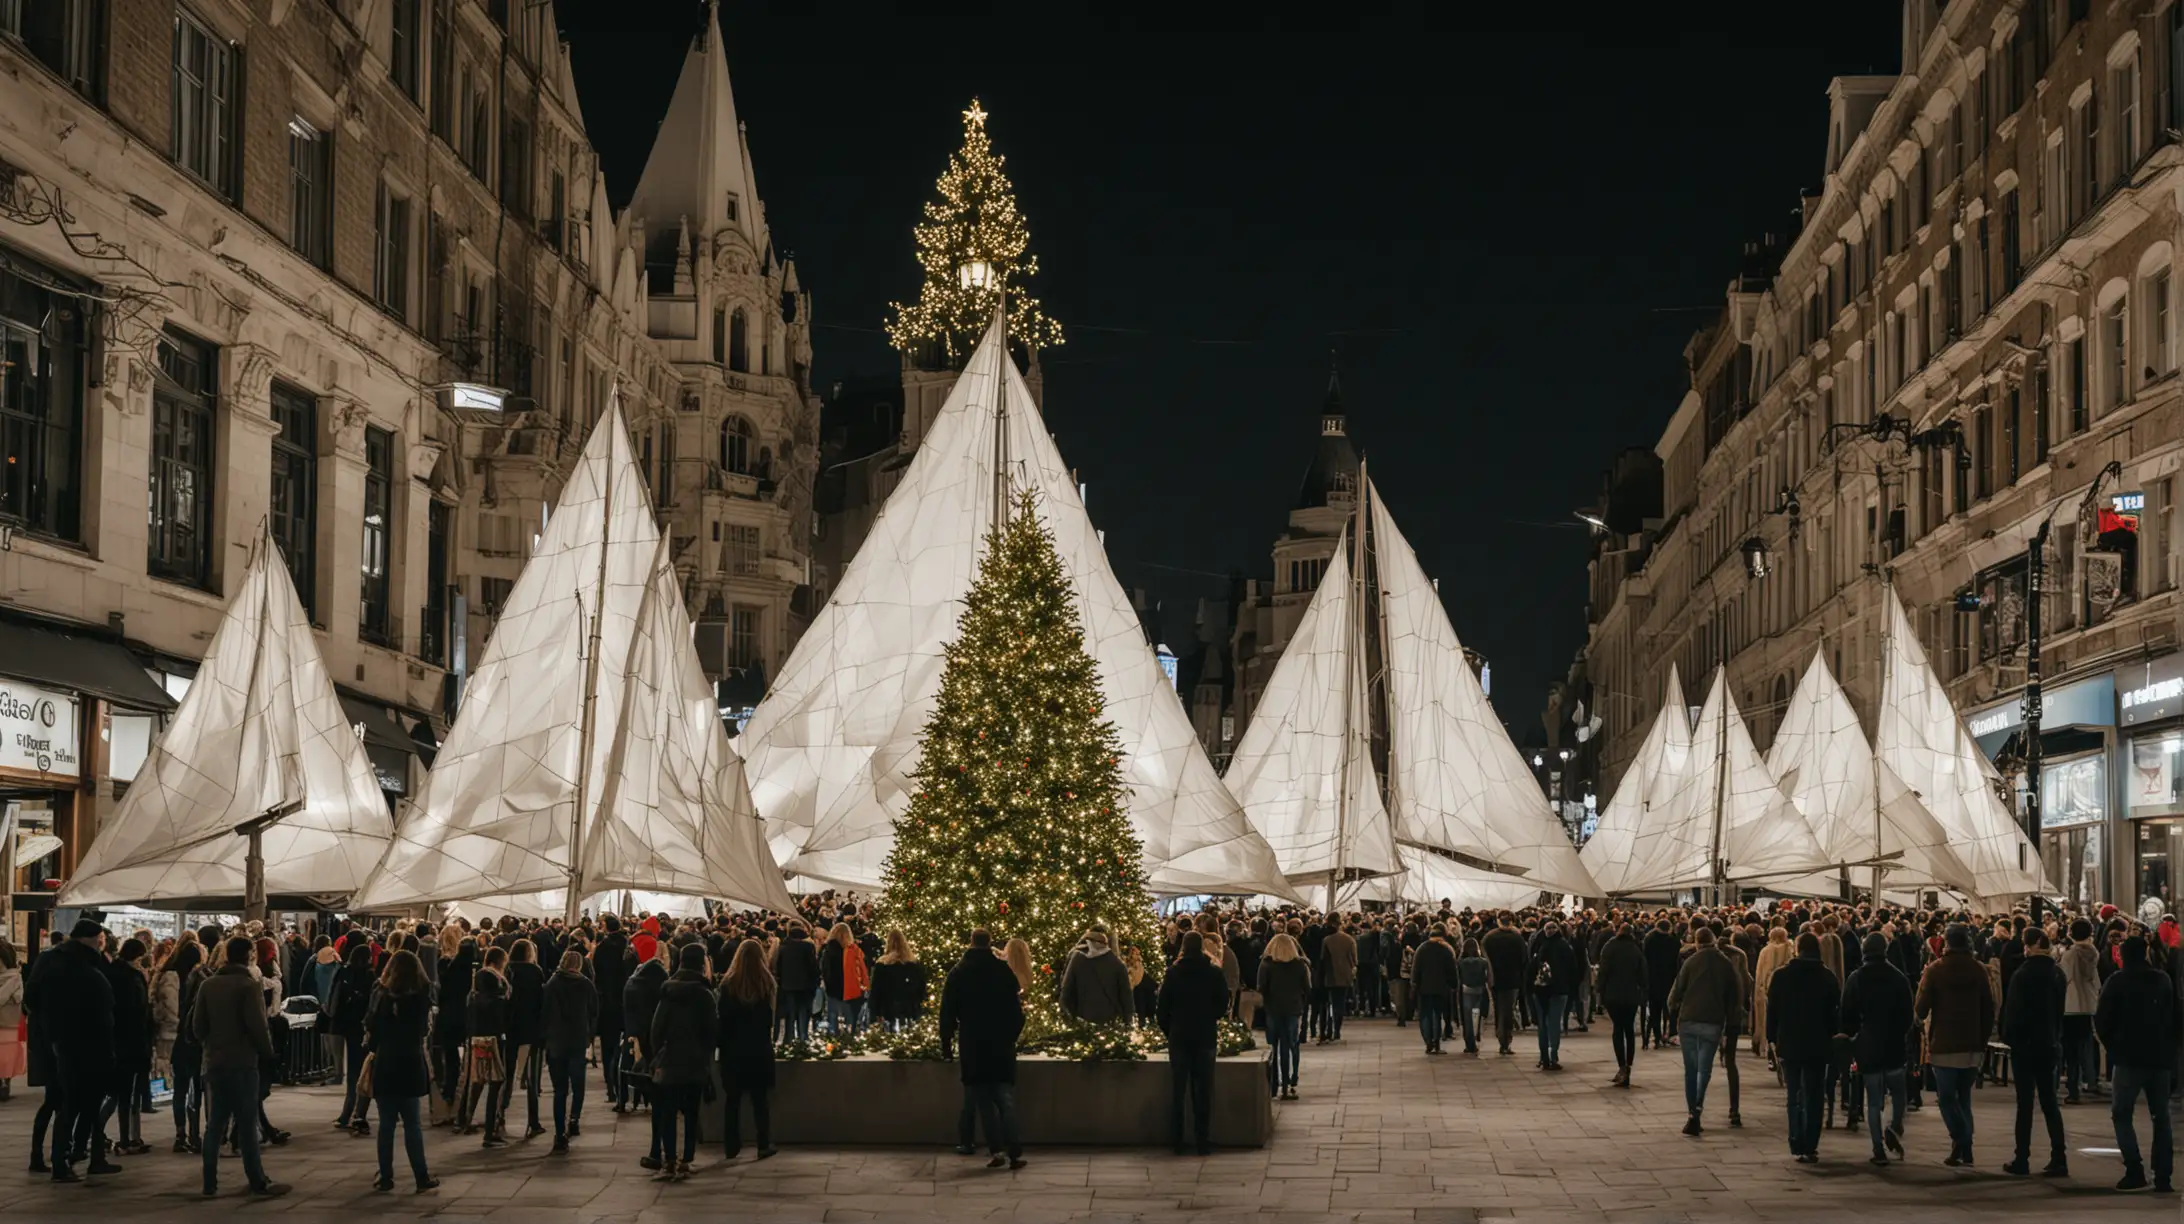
720 334
739 343
735 445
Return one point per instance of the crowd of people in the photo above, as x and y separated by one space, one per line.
1850 1007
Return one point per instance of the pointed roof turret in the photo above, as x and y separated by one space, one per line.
699 166
1332 478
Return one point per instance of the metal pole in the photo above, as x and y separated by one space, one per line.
1354 664
1721 785
254 876
1001 416
2035 587
572 904
1888 624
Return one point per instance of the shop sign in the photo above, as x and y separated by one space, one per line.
2149 692
38 729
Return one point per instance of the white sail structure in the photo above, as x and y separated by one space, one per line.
1457 783
1303 770
1628 847
588 750
1427 879
1721 818
1859 811
1921 739
830 750
260 731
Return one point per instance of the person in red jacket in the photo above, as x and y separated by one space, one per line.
842 971
646 943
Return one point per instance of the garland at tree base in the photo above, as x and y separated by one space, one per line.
1054 1036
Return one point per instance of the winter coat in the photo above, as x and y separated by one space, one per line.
796 968
11 999
230 1022
2080 963
450 1024
348 1001
640 998
486 1014
2139 1018
1433 969
71 1006
1621 981
1802 1003
1504 950
842 969
898 990
1338 960
684 1031
1558 962
611 966
980 1002
1096 985
2032 1010
1708 990
745 1031
568 1014
1954 995
394 1032
1877 1014
526 1004
132 1018
1474 974
166 1006
1664 961
320 974
1284 986
1193 1000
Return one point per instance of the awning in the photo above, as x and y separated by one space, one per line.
380 728
84 664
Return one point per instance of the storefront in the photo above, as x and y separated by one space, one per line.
2078 826
2150 715
76 712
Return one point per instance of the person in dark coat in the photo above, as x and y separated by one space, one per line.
526 1023
1506 956
230 1022
348 1000
1664 959
680 1057
1552 974
2138 1022
899 985
1876 1013
1193 1000
394 1033
70 1001
452 1004
132 1048
1957 1001
1285 990
640 998
1620 984
611 967
485 1023
982 1003
1803 1002
1433 987
796 975
568 1016
2032 1027
1095 985
745 1028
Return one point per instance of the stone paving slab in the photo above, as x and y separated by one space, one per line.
1383 1135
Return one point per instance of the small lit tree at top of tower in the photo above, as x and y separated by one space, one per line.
973 245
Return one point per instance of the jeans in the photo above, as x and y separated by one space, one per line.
672 1103
188 1090
611 1053
1505 1017
1470 1008
1550 1009
1879 1084
233 1093
354 1106
567 1072
1806 1079
1338 1003
1657 1018
2036 1077
1699 1042
406 1111
1953 1092
842 1015
1285 1034
1623 1032
796 1018
2157 1084
996 1107
1190 1075
1430 1006
2081 1056
732 1119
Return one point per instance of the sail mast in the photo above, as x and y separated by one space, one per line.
1888 624
1001 415
1721 782
1352 663
586 720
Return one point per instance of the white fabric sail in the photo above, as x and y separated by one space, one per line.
260 729
1458 784
1303 772
1857 815
664 805
1427 879
1631 846
830 750
1923 741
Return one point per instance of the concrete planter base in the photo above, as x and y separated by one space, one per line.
879 1101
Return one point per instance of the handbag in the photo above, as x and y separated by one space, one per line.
364 1076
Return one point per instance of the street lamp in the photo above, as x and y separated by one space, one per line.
977 274
1595 521
1755 557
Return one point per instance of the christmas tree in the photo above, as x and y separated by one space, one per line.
1018 822
973 246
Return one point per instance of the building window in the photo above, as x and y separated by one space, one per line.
42 370
493 594
744 550
310 191
739 345
373 624
2013 261
515 181
2089 152
432 635
443 72
201 105
720 335
2123 82
735 445
402 47
390 252
743 653
557 212
64 35
435 279
2001 609
661 447
183 402
2115 345
478 143
2080 403
294 509
2160 356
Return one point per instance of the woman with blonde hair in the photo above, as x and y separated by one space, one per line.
1285 986
1144 992
1018 954
1778 952
842 972
899 984
746 1022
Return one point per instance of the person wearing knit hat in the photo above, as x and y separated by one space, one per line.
2138 1022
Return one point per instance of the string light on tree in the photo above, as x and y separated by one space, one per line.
973 245
1019 822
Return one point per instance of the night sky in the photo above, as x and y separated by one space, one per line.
1508 224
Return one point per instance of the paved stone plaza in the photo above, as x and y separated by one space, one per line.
1381 1134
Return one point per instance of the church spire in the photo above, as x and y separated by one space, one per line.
1332 423
699 167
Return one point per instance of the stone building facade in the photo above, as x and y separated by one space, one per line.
341 274
1973 334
